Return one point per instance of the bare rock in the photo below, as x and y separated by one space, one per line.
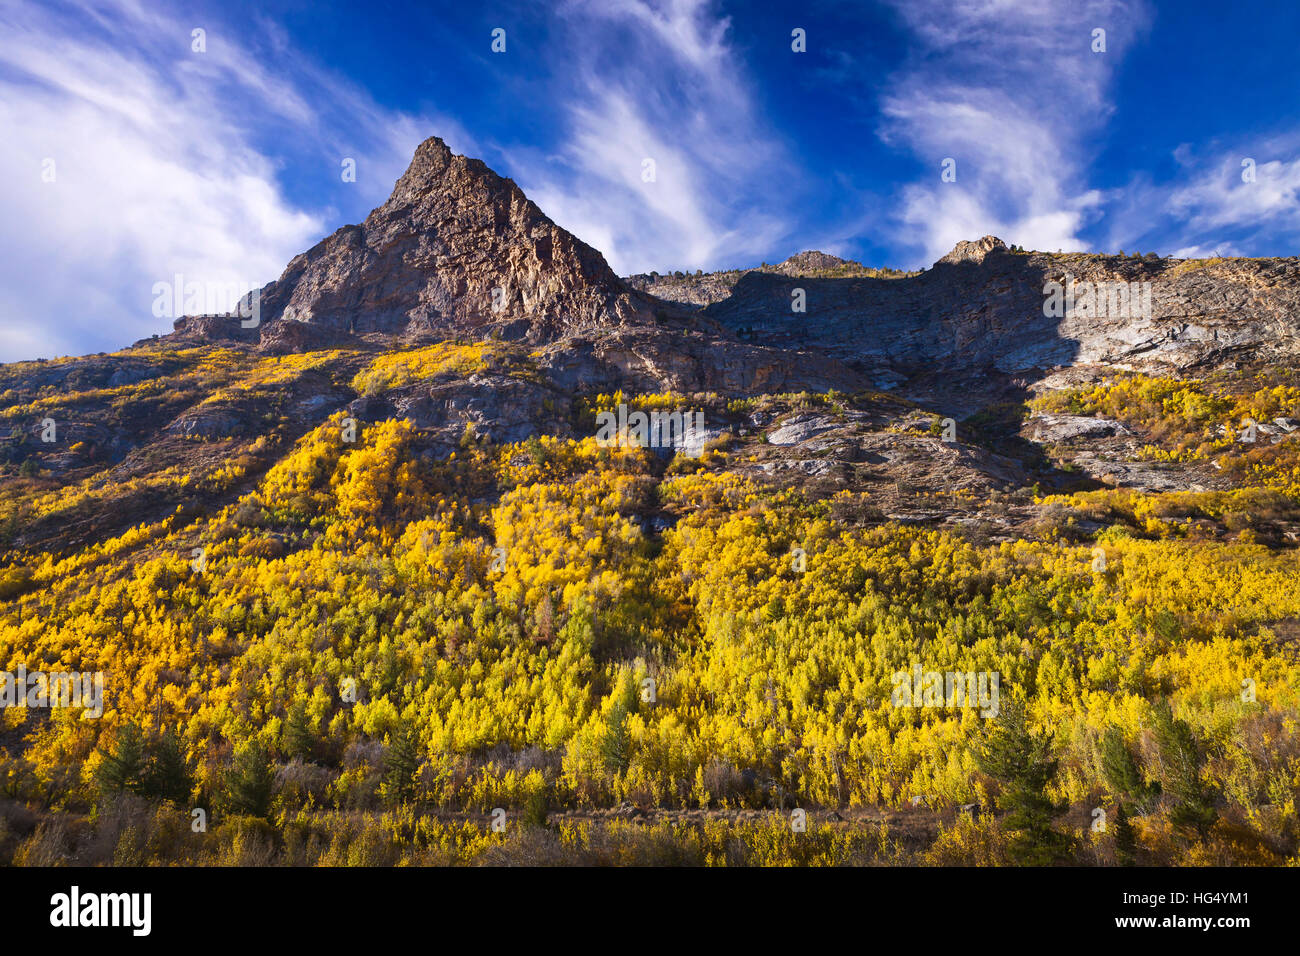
976 251
456 248
1056 428
800 428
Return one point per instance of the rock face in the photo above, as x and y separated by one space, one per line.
985 307
907 390
966 251
686 360
290 335
811 263
799 429
688 292
1068 427
455 249
499 408
694 292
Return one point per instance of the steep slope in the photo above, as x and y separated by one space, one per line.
983 306
394 319
383 529
455 249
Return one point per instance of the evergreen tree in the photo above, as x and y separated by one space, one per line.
298 740
250 780
1193 803
536 805
401 763
1021 762
1125 838
537 452
1121 770
616 746
169 776
124 768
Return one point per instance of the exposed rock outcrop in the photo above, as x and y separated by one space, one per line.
982 306
455 248
974 251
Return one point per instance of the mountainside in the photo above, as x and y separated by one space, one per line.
420 535
983 305
455 249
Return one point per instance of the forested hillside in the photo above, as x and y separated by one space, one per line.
352 639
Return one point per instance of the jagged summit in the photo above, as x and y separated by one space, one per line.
455 249
812 262
974 250
429 165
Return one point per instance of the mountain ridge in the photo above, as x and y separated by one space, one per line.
458 250
381 562
455 249
392 318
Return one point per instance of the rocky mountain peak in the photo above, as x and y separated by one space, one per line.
973 250
438 177
431 162
810 262
455 249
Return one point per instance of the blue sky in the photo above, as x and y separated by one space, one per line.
221 165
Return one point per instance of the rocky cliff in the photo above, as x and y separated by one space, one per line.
456 249
458 306
985 306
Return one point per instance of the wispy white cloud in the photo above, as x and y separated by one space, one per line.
160 165
169 161
677 93
1226 199
1011 90
1213 204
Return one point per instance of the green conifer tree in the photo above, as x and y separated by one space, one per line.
617 743
250 781
1125 838
1193 809
298 739
400 765
1021 762
169 776
123 768
1121 770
